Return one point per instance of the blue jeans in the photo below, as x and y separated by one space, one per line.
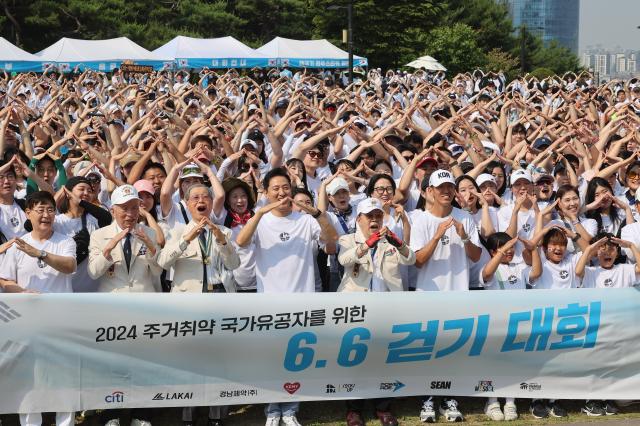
279 409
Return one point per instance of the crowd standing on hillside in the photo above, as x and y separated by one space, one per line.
217 182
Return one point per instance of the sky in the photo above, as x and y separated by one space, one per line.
610 23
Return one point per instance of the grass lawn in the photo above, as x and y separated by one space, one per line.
332 414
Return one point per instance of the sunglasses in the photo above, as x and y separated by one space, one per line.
314 154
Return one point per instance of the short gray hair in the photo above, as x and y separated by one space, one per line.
187 195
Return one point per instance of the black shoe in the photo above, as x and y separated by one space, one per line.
215 422
593 408
611 408
539 409
557 410
188 423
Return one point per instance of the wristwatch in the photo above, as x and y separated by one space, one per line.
43 254
183 245
466 239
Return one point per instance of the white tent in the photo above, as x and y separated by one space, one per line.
428 63
223 52
12 58
287 52
102 55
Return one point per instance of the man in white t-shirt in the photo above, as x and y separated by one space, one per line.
445 240
283 243
42 261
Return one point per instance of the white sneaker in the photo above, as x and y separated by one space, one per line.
510 411
273 421
493 412
290 421
449 409
136 422
113 422
427 413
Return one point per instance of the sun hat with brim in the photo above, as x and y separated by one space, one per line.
231 183
191 170
132 157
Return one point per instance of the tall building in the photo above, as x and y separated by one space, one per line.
550 19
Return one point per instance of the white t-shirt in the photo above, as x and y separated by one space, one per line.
448 267
619 276
12 220
508 276
31 274
631 233
68 226
526 226
284 253
589 225
493 216
558 276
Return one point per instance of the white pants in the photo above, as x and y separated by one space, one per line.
35 419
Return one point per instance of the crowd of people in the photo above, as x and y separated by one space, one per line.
295 181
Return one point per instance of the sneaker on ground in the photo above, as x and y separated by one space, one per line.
510 411
290 421
611 408
494 412
557 410
113 422
593 408
539 409
626 402
427 413
273 421
354 419
386 418
136 422
449 409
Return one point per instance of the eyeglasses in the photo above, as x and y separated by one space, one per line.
633 176
200 198
7 177
42 211
408 157
314 154
382 189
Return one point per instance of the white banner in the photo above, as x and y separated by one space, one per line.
70 352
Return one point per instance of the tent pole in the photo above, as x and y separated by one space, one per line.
350 39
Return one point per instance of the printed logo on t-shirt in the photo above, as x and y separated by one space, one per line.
513 280
564 275
14 221
284 236
41 263
142 251
444 240
608 282
526 227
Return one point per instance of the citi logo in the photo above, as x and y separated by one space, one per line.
114 398
7 313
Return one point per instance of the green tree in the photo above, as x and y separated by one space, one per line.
499 60
455 47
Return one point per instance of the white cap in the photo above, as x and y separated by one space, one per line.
484 178
191 170
123 194
520 174
336 185
492 146
368 205
252 107
249 142
360 121
440 177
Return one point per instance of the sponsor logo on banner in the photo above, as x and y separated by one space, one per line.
291 388
168 396
531 387
346 387
484 386
235 393
440 384
392 386
116 397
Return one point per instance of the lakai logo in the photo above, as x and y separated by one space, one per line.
173 396
7 313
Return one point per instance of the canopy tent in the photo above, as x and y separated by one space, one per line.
100 55
285 52
12 58
428 63
223 52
